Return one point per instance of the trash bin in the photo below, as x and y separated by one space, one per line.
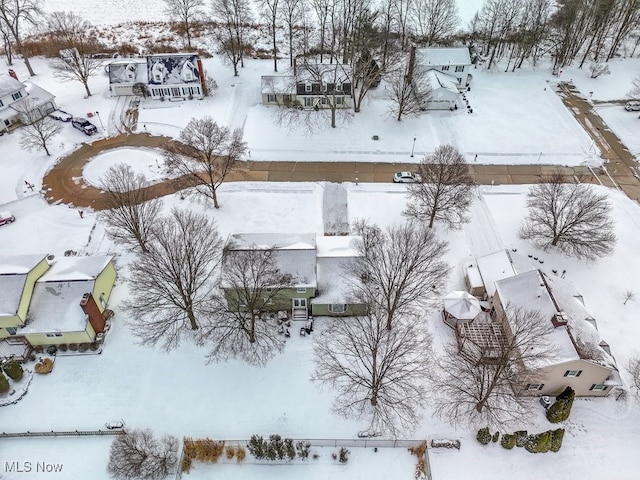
545 401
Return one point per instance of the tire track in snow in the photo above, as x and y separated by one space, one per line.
481 231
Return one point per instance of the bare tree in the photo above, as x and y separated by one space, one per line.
138 454
634 373
434 20
635 87
572 217
38 129
444 189
293 13
252 285
234 18
131 210
187 12
378 373
478 382
172 284
628 295
6 42
398 269
271 11
71 34
206 153
598 69
409 93
14 14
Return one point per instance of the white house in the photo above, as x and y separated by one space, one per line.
125 73
15 96
444 91
453 61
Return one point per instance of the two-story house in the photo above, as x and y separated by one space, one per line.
16 96
453 62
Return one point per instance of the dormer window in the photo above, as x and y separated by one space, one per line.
307 88
16 95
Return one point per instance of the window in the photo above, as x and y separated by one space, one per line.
323 101
103 302
307 88
337 308
535 386
16 95
271 98
268 301
175 91
269 289
286 98
459 69
324 87
11 330
308 102
598 387
445 68
301 290
339 100
572 373
1 104
50 335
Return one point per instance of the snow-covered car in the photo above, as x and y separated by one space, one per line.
406 177
633 106
61 115
6 217
84 125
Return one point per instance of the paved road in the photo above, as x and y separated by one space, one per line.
64 183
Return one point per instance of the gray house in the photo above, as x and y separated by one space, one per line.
452 61
16 96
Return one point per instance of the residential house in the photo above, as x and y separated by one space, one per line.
125 73
310 86
16 96
333 257
581 359
46 301
455 62
444 91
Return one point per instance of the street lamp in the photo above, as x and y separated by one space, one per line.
100 120
413 146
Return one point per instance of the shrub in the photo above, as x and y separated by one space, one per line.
495 437
289 449
241 453
45 367
539 443
556 439
275 448
63 347
204 450
13 370
521 437
343 455
4 384
257 447
303 448
186 464
484 436
560 409
229 452
72 346
508 441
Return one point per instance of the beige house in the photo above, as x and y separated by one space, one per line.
582 360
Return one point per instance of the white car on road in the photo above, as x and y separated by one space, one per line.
406 177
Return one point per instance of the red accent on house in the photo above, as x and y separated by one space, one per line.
90 307
201 72
12 73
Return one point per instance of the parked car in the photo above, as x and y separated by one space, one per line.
406 177
61 115
6 217
633 106
84 125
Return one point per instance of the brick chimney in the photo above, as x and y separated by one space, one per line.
559 320
12 73
89 306
412 63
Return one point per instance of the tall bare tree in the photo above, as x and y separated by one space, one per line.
434 20
476 382
138 454
38 129
15 14
409 93
72 36
398 269
7 47
444 189
131 210
377 373
572 217
206 153
234 18
172 284
187 13
293 13
635 87
634 373
252 285
270 8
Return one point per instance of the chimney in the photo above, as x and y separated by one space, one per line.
412 62
559 320
90 307
12 73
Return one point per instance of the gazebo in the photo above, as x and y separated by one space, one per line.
460 306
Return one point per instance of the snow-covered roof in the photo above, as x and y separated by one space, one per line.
9 85
130 70
277 241
443 56
502 264
328 72
76 268
442 80
333 283
337 246
13 276
37 94
19 263
55 307
527 290
276 84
